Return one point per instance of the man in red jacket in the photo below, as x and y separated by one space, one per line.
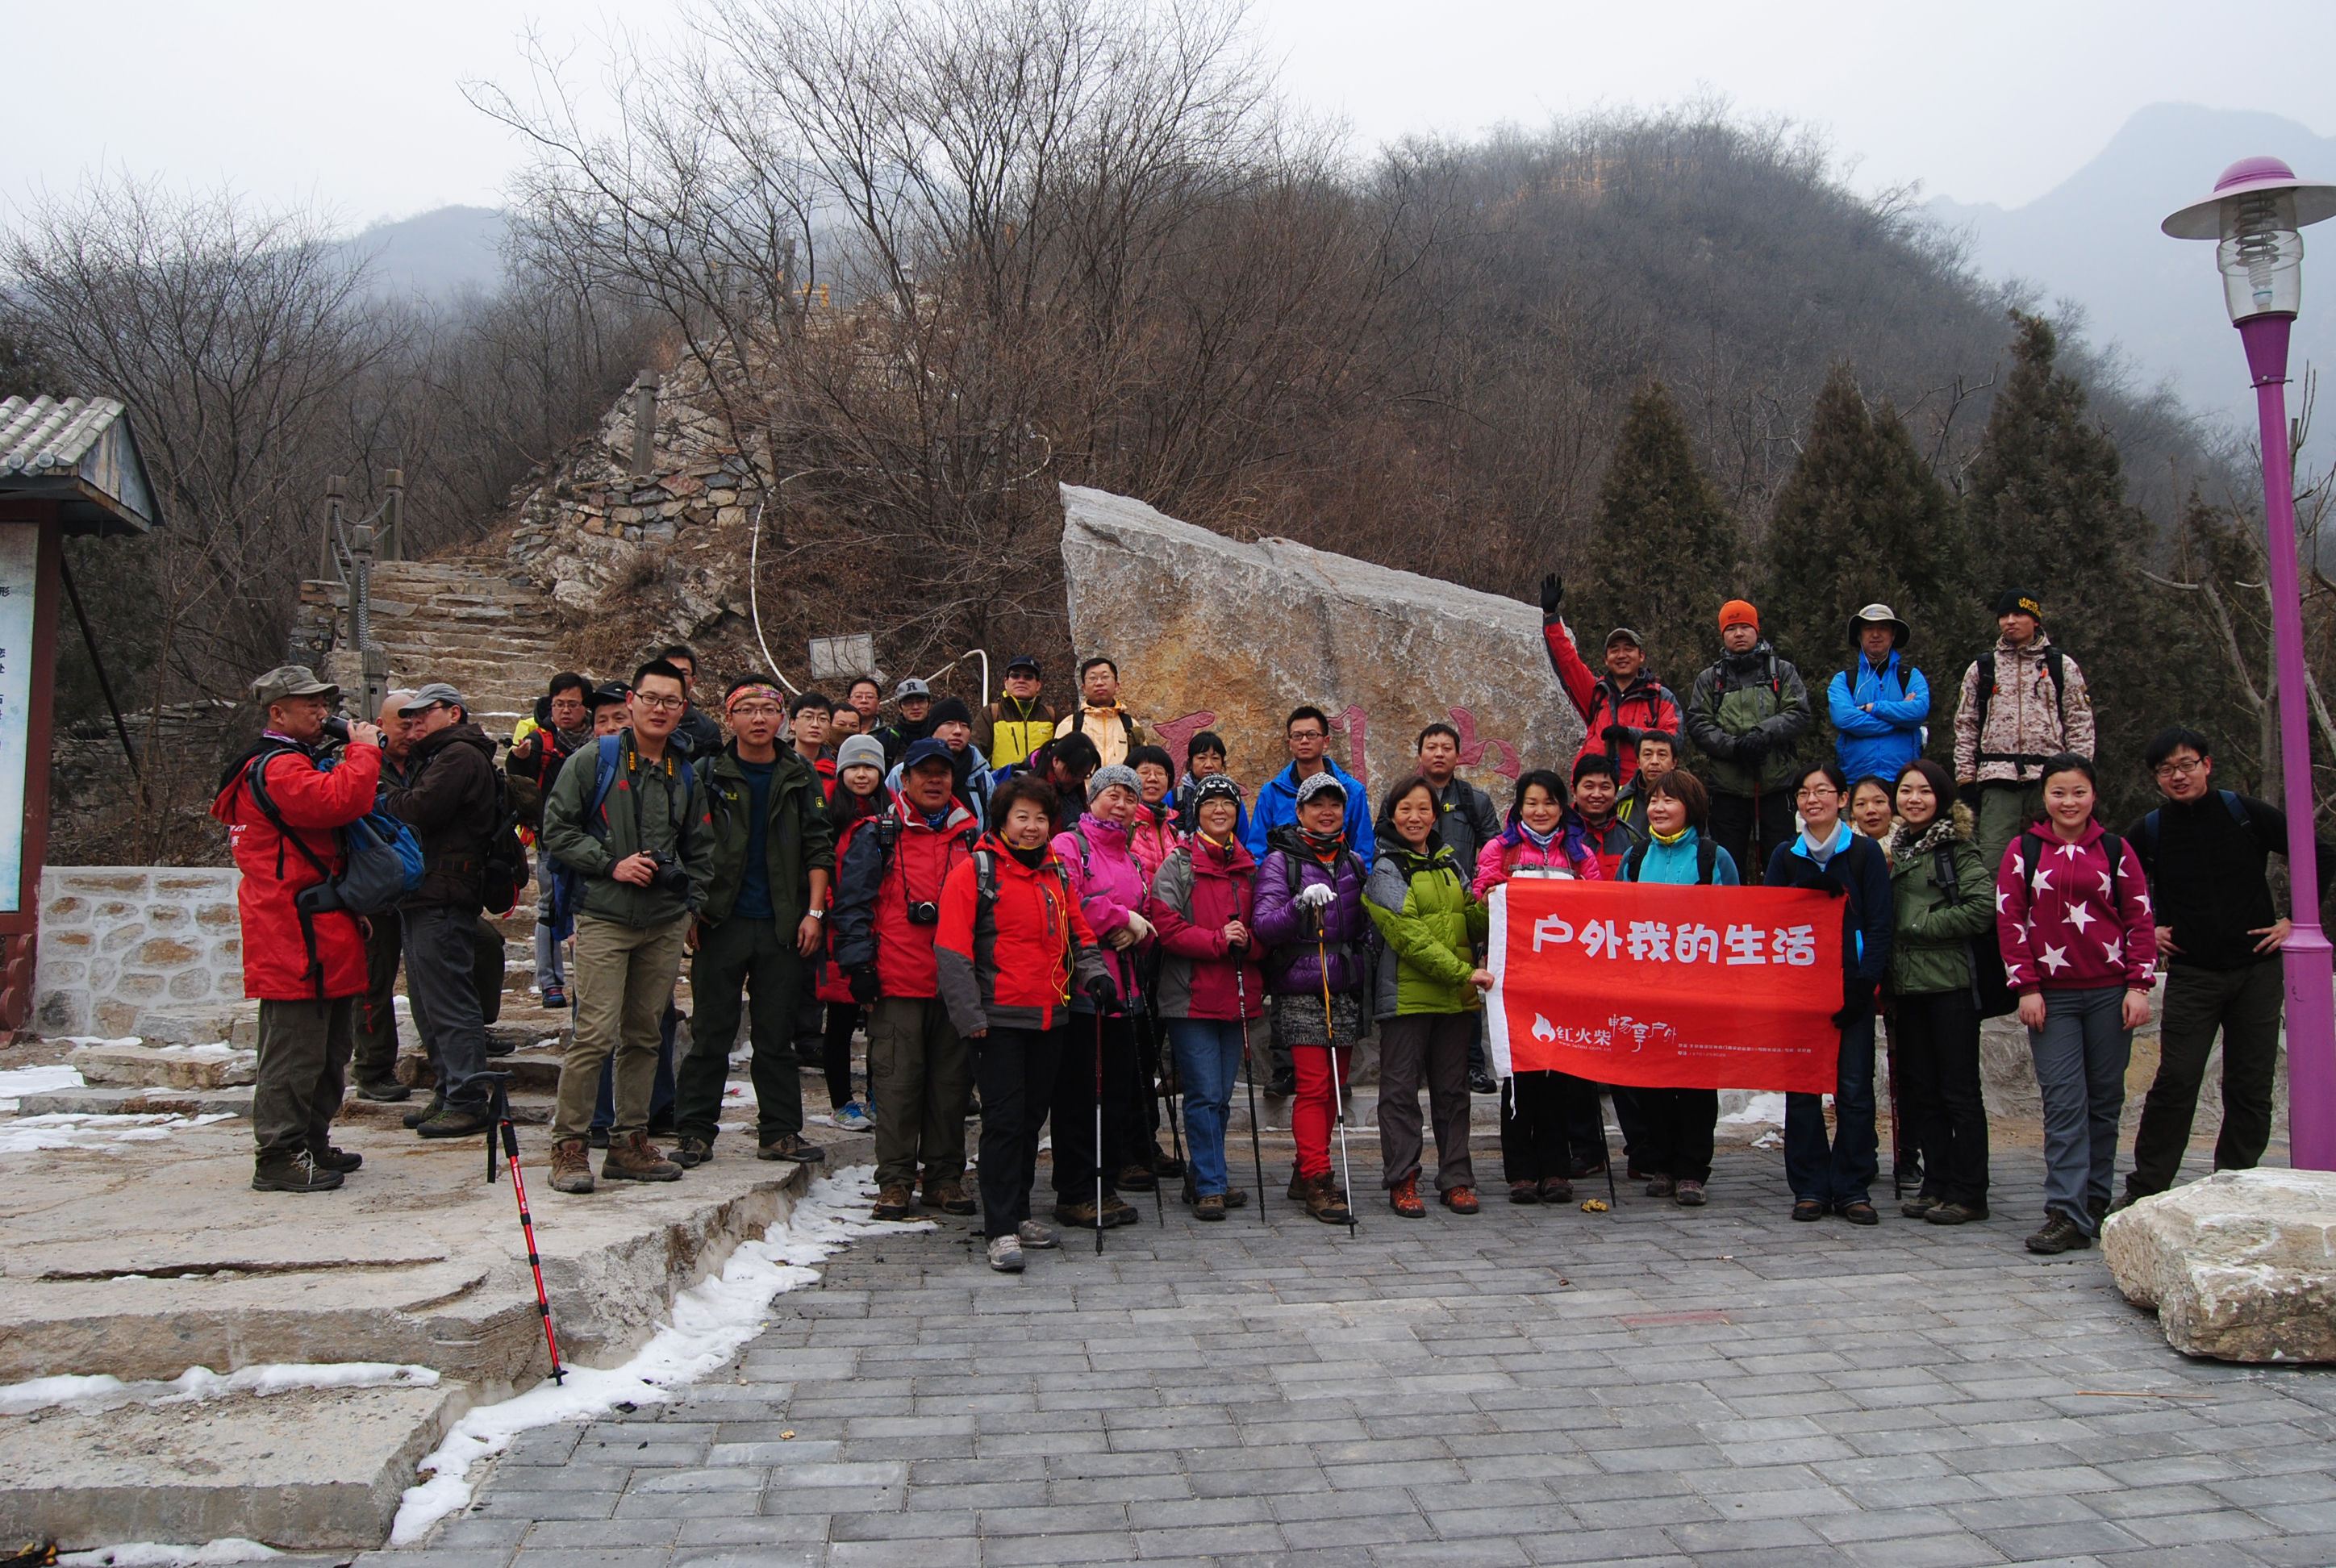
307 969
1617 707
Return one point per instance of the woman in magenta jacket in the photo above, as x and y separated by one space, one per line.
1109 886
2080 949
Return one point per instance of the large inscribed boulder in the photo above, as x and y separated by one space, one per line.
2240 1266
1209 633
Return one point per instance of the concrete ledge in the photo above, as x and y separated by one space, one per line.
298 1469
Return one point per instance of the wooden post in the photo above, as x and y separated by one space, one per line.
20 922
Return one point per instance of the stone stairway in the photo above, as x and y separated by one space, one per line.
460 621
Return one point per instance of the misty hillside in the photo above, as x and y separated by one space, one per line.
2093 241
436 254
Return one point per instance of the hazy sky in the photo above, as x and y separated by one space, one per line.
359 108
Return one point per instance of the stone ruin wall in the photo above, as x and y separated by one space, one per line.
154 952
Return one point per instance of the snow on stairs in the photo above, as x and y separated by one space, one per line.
494 640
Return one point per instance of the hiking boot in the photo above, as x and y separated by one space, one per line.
1325 1203
1688 1195
1236 1198
555 997
1556 1190
895 1202
1005 1253
2060 1234
2100 1210
2126 1200
1164 1163
1404 1198
414 1118
1117 1211
692 1153
1077 1216
1211 1207
1284 1086
387 1093
1459 1199
1919 1206
1807 1210
1034 1234
1859 1213
339 1160
1296 1192
1524 1193
1480 1082
496 1048
292 1174
633 1158
792 1146
1136 1176
949 1197
1956 1213
456 1122
1593 1167
571 1166
1660 1186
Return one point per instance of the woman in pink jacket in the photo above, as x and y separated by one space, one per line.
1109 886
2081 948
1543 839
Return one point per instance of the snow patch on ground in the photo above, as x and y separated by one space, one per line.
1762 1110
199 1383
708 1324
28 1134
147 1555
18 1082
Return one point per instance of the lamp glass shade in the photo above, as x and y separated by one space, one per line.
2260 254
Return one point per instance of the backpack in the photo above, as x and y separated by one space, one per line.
1707 857
567 882
504 870
2231 803
380 861
1991 985
2056 664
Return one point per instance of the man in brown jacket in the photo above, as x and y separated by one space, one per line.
2023 701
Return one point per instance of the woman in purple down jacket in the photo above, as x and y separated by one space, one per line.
1309 911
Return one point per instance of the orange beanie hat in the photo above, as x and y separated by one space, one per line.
1738 613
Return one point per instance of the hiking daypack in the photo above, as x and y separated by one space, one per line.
1991 983
1707 857
381 858
2056 664
504 870
2231 803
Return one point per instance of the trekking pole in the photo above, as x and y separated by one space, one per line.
1098 1132
500 1124
1175 1134
1249 1071
1338 1083
1150 1139
1605 1148
1897 1128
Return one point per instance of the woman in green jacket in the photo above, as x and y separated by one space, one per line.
1427 997
1940 898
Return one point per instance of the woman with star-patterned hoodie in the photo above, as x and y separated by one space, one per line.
2080 949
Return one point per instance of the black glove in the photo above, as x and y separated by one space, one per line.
1553 594
1101 993
1751 745
1619 735
862 977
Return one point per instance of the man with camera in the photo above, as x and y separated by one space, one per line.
372 1067
282 799
887 913
451 801
626 817
762 914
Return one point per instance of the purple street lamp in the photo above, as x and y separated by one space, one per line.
2257 207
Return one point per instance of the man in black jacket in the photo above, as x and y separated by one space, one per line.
451 801
2205 852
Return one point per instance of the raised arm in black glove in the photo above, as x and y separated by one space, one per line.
1553 594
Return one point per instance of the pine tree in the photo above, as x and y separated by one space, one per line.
1862 520
2048 516
1666 552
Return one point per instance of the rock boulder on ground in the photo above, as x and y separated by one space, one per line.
1211 633
2241 1267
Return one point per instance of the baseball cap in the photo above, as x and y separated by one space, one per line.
1315 783
608 696
911 687
924 750
289 680
1625 634
1022 661
431 695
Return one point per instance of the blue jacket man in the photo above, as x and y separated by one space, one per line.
1879 704
1308 733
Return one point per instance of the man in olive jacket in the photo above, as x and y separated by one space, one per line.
764 914
1746 713
643 849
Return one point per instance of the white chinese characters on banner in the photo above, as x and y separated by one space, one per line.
20 555
1691 943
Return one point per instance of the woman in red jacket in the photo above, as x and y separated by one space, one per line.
1010 942
2081 948
858 797
1211 983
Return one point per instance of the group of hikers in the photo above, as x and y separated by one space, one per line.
1035 910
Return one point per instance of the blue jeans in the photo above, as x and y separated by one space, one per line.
2081 1055
1208 1063
1844 1174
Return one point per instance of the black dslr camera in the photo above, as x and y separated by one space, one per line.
337 729
669 876
924 912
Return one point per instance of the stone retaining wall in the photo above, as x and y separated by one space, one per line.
123 947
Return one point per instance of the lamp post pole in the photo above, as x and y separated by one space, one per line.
2254 212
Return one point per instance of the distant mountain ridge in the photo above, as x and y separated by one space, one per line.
435 255
2094 240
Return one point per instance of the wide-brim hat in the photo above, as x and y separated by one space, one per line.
1879 615
287 681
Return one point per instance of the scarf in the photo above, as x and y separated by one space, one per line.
1034 858
1325 849
573 740
1540 841
1669 840
1909 840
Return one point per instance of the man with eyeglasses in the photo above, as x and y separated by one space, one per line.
764 913
2205 852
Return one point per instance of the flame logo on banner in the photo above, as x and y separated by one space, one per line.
1543 1030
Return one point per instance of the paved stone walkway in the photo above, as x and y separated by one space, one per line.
1655 1386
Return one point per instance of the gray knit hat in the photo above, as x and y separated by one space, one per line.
1118 774
860 751
1315 783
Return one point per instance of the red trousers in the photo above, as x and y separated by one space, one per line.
1309 1113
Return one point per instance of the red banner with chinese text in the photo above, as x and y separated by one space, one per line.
1666 987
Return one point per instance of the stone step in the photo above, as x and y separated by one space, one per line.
204 1066
134 1101
531 1072
530 1109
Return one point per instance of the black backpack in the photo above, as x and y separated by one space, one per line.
504 871
2056 664
1991 985
1707 856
